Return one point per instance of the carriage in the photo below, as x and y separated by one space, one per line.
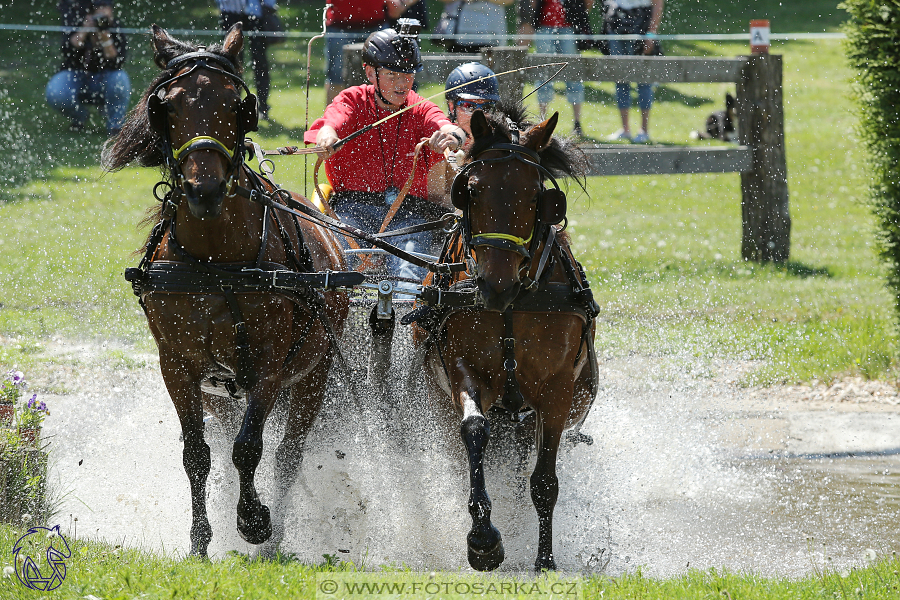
247 290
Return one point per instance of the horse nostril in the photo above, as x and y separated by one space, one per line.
222 188
189 190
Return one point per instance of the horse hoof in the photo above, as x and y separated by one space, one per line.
258 529
545 563
488 558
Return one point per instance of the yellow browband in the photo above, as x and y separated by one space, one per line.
204 138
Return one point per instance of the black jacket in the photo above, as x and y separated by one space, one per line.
89 57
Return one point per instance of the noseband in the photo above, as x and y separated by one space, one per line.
157 113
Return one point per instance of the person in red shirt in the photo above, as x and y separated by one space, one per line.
367 172
349 22
553 20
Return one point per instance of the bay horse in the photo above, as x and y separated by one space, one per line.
228 300
516 331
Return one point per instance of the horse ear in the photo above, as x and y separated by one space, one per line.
479 125
234 41
163 44
540 135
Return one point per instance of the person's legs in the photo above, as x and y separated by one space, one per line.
259 56
574 89
114 88
623 89
63 92
334 63
645 101
545 45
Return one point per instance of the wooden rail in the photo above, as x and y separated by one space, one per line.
759 158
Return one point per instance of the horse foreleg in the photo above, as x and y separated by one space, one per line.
195 454
253 520
545 484
484 541
307 396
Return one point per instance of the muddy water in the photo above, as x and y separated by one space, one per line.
687 470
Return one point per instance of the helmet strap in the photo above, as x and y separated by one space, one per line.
452 113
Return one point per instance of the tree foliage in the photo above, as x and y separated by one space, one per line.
873 48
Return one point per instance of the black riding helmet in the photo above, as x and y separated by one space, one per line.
393 51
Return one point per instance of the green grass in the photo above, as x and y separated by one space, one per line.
112 572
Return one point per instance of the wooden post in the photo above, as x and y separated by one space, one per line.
507 58
764 193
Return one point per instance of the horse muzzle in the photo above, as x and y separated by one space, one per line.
497 300
205 198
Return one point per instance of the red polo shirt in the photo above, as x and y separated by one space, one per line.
382 157
356 12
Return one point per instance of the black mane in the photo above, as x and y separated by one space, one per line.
138 141
561 157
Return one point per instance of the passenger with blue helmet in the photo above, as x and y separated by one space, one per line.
479 90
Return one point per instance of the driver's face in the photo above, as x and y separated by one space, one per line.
394 86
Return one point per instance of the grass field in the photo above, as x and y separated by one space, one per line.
663 255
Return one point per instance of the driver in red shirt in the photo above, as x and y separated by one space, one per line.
367 172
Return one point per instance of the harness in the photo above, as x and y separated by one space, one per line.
192 275
446 298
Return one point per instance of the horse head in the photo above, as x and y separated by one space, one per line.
505 204
200 118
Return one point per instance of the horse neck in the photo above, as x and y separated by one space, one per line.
234 236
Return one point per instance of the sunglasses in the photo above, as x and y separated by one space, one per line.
470 105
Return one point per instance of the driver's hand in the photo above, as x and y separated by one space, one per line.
326 139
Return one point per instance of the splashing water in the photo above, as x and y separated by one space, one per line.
687 470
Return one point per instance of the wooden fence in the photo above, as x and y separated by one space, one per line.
759 157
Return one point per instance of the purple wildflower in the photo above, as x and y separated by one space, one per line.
17 377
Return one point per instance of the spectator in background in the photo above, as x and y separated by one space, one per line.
551 19
250 13
91 71
633 17
485 19
418 10
348 22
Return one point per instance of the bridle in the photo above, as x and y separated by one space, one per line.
551 203
157 113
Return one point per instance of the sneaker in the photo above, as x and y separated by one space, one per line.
641 138
576 130
619 136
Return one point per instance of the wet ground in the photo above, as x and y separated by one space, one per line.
687 470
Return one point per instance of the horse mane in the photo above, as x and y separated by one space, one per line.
561 156
138 141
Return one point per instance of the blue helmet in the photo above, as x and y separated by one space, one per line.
486 89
